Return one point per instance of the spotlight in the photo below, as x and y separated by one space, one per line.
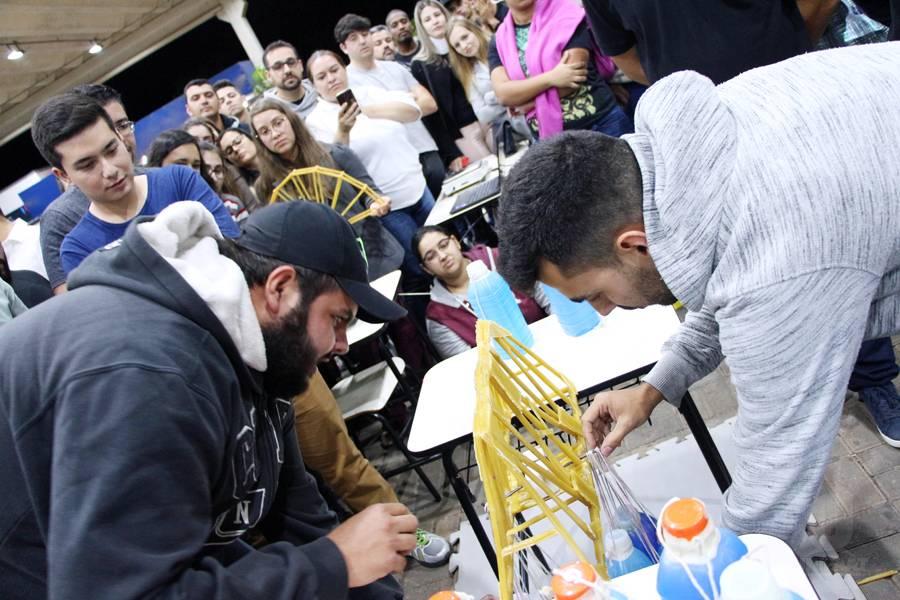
14 52
96 47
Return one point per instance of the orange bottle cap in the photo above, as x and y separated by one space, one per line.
444 596
685 518
567 583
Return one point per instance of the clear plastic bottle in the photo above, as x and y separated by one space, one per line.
648 526
490 296
695 552
576 318
747 579
621 555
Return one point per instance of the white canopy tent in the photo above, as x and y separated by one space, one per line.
55 36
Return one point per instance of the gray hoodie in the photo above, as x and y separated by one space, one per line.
772 209
306 103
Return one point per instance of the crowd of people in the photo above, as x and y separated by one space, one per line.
166 404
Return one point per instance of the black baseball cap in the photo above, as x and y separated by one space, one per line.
314 236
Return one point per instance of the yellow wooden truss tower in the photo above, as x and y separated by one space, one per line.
530 449
324 185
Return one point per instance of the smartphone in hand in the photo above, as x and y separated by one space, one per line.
346 97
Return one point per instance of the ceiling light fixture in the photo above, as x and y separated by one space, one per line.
14 52
96 47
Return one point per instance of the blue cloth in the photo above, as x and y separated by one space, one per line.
615 123
165 186
403 223
875 365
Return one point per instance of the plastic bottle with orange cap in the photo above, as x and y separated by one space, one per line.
695 551
579 581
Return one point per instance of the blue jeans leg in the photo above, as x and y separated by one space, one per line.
615 123
876 365
403 223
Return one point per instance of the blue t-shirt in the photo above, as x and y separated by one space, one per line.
165 186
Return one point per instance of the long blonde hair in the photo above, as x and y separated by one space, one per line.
463 66
272 167
428 52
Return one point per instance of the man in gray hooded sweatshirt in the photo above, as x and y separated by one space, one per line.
770 206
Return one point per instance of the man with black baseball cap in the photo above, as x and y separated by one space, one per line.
146 427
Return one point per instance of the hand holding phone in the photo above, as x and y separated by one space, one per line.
346 97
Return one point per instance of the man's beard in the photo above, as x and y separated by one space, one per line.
291 87
290 355
649 287
404 37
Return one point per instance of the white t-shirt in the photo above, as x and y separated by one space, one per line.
393 77
23 248
381 144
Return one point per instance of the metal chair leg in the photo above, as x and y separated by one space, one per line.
409 457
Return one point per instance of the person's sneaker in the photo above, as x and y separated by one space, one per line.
431 550
883 403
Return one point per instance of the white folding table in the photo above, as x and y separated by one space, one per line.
623 347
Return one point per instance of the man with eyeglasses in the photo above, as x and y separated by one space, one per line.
63 214
285 71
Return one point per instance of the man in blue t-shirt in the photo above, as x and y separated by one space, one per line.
76 136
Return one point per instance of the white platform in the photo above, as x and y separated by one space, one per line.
672 468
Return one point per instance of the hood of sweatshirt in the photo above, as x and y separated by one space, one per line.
683 134
173 260
310 96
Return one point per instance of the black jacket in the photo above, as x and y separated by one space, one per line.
136 448
454 110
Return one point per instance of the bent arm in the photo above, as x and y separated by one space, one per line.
424 99
816 14
393 110
688 356
516 92
630 63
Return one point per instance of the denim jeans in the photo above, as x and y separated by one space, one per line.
616 123
403 223
875 365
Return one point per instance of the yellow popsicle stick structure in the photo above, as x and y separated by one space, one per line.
529 448
314 183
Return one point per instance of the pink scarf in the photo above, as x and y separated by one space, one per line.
552 26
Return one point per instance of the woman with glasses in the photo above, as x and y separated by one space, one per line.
286 144
227 183
178 147
240 149
449 317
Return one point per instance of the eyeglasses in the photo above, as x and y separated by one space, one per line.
231 149
280 64
124 126
277 123
441 247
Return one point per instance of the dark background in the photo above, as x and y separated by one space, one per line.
206 50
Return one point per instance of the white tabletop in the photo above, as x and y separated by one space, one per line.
625 341
444 204
770 551
387 287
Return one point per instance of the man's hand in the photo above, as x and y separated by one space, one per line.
613 415
375 542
